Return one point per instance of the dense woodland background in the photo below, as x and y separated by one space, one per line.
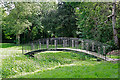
26 21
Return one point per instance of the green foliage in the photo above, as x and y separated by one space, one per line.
94 23
91 21
50 23
67 19
23 18
15 23
61 21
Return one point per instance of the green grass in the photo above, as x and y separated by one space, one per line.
114 56
7 45
83 69
15 65
19 63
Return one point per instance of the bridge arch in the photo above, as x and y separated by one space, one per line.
90 47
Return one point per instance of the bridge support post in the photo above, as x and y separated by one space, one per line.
104 52
51 42
47 41
39 45
63 43
72 43
93 46
55 44
32 46
87 46
98 50
43 43
82 44
76 44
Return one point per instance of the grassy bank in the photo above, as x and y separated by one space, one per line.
54 65
82 69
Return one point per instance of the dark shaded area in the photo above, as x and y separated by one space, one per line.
7 40
7 45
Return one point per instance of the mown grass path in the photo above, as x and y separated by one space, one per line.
29 73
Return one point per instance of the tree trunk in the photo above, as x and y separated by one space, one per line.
113 24
18 39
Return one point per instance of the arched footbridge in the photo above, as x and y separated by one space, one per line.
89 47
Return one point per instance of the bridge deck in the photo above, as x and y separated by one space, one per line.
77 50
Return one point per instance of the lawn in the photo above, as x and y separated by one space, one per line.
80 69
53 65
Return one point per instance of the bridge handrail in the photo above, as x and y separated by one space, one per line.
89 45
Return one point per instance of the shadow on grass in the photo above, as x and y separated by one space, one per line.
7 45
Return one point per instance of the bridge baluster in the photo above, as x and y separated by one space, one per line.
82 44
39 44
87 46
104 51
76 44
93 46
72 43
59 42
98 50
63 43
32 46
69 43
43 42
51 42
55 44
47 41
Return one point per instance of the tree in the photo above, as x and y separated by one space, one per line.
94 21
23 16
16 22
67 19
114 24
50 23
61 22
118 21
